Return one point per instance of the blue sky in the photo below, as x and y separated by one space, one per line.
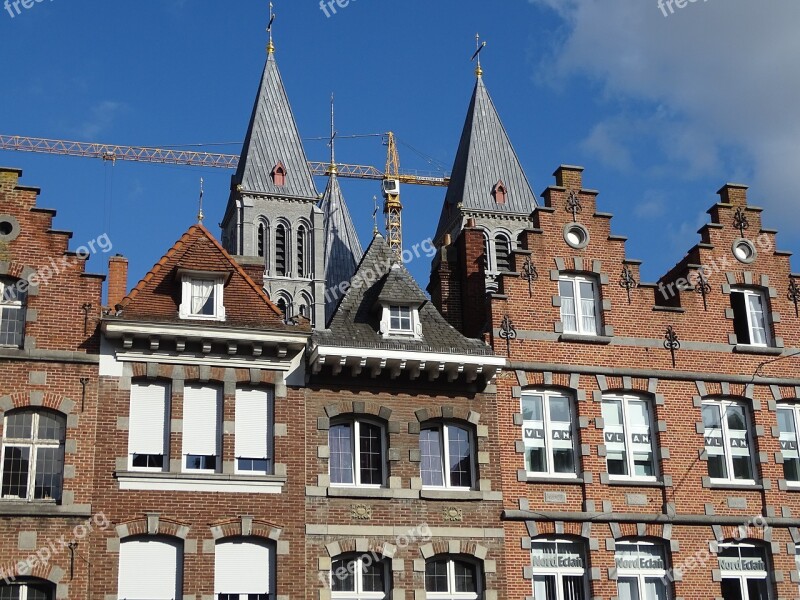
660 110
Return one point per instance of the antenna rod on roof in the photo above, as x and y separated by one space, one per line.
200 215
332 142
272 15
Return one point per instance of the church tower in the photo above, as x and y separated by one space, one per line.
272 220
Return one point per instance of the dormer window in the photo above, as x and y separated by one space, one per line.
500 192
202 297
400 321
279 175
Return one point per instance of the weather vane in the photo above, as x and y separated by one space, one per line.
200 215
375 215
272 15
480 46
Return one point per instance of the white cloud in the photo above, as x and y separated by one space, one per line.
101 116
716 77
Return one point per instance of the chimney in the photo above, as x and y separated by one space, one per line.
734 194
117 280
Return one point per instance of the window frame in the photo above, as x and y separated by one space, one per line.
546 396
8 307
355 452
575 279
269 433
180 560
742 575
48 587
792 407
443 428
387 331
252 541
33 444
626 399
358 593
167 428
561 572
508 262
641 575
452 594
765 308
722 405
219 418
188 282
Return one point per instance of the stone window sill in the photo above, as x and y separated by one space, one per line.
43 508
761 350
554 480
602 340
752 487
458 495
636 483
206 482
363 492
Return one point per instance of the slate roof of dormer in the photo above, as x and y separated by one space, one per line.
484 157
356 322
157 297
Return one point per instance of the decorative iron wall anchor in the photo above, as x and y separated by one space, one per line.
628 282
672 343
529 274
574 205
508 333
703 288
794 295
740 221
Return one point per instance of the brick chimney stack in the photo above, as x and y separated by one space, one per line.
117 280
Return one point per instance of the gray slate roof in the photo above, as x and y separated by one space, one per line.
485 156
272 137
356 322
342 247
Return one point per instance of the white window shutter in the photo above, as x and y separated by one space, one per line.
252 423
201 420
148 419
242 567
149 568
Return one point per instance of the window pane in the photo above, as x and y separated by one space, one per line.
373 575
574 588
532 408
544 587
465 577
736 417
51 427
15 472
588 310
460 457
536 460
628 588
731 589
564 460
714 442
341 461
559 409
343 578
370 454
742 467
9 592
568 309
49 467
533 434
758 325
655 589
614 437
757 589
202 297
19 426
788 443
436 576
431 457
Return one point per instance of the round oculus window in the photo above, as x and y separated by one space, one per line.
6 228
9 228
576 235
744 251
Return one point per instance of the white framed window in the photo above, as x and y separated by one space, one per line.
750 317
364 577
579 300
243 569
253 431
202 297
148 427
27 589
744 570
33 455
789 438
400 321
628 437
728 441
447 456
201 428
548 434
559 569
452 579
641 571
357 453
150 568
12 313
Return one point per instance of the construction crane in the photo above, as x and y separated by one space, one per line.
391 176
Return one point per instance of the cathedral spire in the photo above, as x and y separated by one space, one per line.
487 176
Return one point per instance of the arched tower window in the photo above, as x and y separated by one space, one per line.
302 251
486 251
261 239
281 250
502 249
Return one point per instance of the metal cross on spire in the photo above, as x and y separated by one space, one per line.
200 215
479 47
332 142
272 15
